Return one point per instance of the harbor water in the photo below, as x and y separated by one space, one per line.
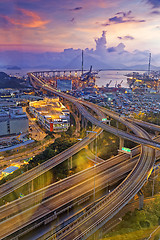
102 78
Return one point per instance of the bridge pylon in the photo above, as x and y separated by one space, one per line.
141 199
121 143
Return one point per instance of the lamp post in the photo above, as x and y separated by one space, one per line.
94 192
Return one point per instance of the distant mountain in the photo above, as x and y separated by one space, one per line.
71 59
13 67
11 82
142 67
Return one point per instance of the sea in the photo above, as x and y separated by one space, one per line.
102 78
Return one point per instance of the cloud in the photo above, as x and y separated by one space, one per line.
76 9
125 14
102 57
4 23
127 37
155 12
72 20
111 49
154 3
27 19
122 17
116 19
105 24
101 43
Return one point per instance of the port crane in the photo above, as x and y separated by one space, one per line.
107 85
119 84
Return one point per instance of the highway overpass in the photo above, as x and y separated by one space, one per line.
93 219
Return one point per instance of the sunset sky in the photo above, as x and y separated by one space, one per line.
55 25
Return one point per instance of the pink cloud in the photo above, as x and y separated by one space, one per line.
34 20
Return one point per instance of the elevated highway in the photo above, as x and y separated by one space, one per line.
88 116
108 172
147 125
64 233
55 188
46 166
93 219
64 194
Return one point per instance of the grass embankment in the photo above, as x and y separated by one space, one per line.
139 224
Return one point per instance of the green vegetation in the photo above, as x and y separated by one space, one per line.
152 186
148 117
108 145
138 224
11 82
58 146
61 171
65 169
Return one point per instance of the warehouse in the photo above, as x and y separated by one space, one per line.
13 121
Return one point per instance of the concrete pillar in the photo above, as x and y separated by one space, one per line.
68 164
121 143
92 146
101 135
156 133
117 124
71 162
100 235
83 123
32 186
141 198
128 130
93 126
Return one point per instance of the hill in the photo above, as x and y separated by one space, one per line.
11 82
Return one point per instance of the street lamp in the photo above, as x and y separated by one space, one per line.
95 163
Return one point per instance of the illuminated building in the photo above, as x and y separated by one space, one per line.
9 170
51 114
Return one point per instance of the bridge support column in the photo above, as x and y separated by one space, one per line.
128 130
32 186
156 133
71 162
141 198
70 165
121 143
83 122
92 146
93 126
117 124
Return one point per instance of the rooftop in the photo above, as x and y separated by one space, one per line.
49 108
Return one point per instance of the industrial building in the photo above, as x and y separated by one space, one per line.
13 121
64 85
9 170
51 114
